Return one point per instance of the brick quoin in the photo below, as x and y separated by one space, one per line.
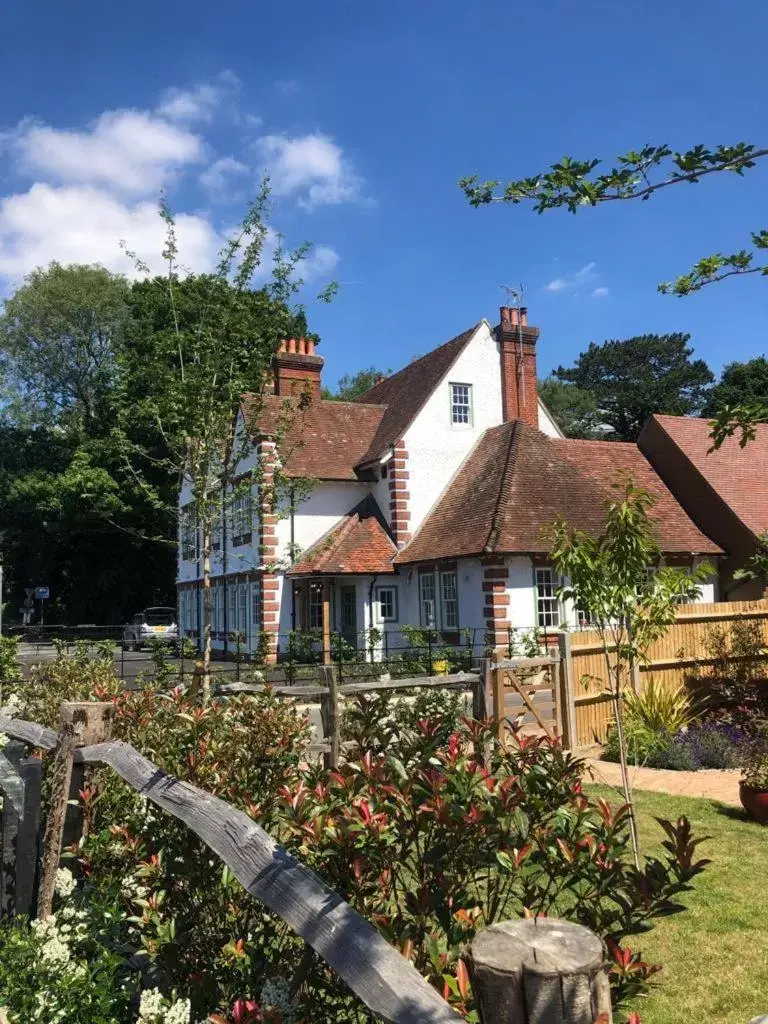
399 514
270 608
496 606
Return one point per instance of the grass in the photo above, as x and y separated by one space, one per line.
715 953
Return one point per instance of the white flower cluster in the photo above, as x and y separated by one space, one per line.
132 889
65 883
154 1008
3 740
277 994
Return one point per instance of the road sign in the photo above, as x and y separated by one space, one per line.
42 593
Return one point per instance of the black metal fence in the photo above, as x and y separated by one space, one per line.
397 652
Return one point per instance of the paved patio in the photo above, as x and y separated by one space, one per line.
710 783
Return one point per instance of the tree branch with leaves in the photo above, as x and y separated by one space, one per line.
639 174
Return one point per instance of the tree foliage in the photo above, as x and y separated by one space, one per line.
353 385
574 409
739 383
60 334
632 379
638 174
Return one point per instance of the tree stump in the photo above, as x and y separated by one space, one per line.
539 971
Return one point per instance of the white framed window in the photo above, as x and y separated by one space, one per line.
216 592
547 603
241 518
232 608
386 604
427 603
188 534
439 599
461 405
242 608
255 607
315 606
449 599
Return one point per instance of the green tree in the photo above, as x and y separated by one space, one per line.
574 409
739 383
196 349
353 385
632 379
70 516
639 174
608 576
60 333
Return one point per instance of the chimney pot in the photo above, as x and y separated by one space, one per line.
524 316
301 346
291 344
281 346
310 346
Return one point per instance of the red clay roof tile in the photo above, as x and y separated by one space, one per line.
739 475
360 543
325 441
516 480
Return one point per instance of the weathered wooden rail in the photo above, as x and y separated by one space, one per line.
503 965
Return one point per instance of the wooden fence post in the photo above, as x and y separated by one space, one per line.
566 694
540 971
81 725
28 838
13 752
482 691
499 701
330 713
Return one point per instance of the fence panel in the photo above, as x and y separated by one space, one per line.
681 653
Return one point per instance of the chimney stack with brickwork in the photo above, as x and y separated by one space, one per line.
517 351
297 368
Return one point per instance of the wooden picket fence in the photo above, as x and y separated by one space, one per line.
681 653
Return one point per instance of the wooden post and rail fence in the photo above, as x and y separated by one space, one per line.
542 971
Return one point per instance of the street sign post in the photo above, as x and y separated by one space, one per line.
42 594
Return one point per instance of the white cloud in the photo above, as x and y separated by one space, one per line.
89 189
84 224
599 293
312 165
216 177
199 102
129 150
576 279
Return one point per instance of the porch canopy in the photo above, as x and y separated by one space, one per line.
359 545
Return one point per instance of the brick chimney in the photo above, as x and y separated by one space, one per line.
297 368
517 351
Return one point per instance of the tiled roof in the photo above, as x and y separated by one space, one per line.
405 392
325 441
516 481
739 475
360 543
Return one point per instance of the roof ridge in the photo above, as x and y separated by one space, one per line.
417 360
502 500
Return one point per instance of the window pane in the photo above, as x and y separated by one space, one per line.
547 605
387 604
315 607
461 403
427 602
256 606
450 600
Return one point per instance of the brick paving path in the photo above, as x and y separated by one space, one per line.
710 783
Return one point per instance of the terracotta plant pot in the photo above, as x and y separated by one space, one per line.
755 802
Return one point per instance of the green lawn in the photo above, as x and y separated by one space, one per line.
715 953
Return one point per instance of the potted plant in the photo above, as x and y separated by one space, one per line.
753 788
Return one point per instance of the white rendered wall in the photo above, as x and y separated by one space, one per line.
436 448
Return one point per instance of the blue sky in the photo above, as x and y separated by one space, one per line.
366 115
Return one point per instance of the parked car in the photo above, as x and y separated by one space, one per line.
151 624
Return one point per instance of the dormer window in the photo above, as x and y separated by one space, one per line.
461 405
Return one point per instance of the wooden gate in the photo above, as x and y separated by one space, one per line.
525 696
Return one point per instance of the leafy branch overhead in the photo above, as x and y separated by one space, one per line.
637 174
